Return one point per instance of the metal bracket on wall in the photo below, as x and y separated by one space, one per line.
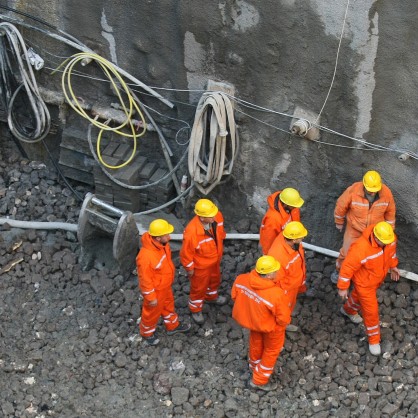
301 124
108 234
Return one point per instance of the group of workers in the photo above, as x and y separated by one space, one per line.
265 297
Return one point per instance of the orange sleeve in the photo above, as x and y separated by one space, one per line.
233 292
390 213
349 266
220 229
295 214
282 314
145 277
342 205
394 258
268 232
188 250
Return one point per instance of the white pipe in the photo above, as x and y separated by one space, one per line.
256 237
175 237
39 225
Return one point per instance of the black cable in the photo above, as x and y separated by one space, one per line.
11 9
7 85
43 22
79 197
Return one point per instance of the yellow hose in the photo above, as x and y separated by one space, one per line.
110 70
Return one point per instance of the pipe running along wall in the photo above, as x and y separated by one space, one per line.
176 237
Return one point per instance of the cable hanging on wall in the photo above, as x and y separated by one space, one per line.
128 108
27 115
213 142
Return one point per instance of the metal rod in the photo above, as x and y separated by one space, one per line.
107 206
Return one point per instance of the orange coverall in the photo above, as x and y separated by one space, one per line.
292 275
156 275
366 265
260 306
202 252
353 205
274 221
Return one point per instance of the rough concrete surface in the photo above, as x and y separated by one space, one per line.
280 55
70 346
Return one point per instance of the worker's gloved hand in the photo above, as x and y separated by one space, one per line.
339 227
190 273
394 274
343 294
153 303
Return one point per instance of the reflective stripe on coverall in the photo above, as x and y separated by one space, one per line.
292 274
155 276
354 206
274 221
366 265
202 252
260 306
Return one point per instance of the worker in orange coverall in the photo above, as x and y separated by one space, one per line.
201 255
260 306
362 204
156 275
287 248
283 207
368 261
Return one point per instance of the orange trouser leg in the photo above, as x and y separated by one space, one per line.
151 315
350 235
292 296
199 283
365 299
264 350
214 282
170 317
352 306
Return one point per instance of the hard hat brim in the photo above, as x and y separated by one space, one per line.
372 189
208 215
299 203
170 229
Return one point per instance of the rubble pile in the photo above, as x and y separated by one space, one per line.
70 347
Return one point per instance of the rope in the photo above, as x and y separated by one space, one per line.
213 136
336 63
109 70
26 86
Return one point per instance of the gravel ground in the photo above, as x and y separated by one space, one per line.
70 345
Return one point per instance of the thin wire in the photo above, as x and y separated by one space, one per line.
336 62
39 48
261 121
256 107
179 143
77 44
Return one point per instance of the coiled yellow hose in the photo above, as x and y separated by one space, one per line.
109 70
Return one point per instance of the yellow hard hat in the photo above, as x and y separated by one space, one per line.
295 230
383 231
267 264
372 181
291 197
160 227
205 208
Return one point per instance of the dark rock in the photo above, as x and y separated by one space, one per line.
179 395
390 410
162 383
101 285
243 225
403 288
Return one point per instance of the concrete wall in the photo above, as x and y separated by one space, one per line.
279 55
